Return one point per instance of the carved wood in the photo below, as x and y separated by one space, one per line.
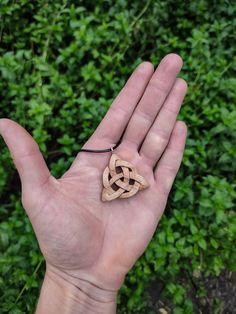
121 180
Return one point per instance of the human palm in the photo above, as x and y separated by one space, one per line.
82 237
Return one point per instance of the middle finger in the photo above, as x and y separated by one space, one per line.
152 100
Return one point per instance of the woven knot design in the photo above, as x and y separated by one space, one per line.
121 180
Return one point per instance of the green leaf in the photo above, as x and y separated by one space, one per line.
202 244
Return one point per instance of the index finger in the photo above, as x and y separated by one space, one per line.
113 124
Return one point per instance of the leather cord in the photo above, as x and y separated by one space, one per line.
100 150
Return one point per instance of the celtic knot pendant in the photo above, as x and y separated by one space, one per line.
121 180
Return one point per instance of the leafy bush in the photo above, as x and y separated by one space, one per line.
61 64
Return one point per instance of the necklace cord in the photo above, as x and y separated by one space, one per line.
100 150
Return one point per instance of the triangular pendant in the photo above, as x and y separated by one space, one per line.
121 180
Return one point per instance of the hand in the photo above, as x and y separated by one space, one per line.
87 242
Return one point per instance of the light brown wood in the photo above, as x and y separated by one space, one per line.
121 180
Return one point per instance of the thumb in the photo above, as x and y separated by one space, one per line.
25 152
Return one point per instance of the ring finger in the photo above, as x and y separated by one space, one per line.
159 134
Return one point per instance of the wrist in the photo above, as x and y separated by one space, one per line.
61 295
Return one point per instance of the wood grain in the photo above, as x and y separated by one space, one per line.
121 180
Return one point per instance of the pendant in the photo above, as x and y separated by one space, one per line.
121 180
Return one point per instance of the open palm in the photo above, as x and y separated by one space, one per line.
82 237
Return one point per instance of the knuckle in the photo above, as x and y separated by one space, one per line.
171 171
160 136
117 111
144 115
165 190
158 87
132 88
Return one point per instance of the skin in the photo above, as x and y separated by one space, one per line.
90 245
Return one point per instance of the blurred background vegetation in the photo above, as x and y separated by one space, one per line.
61 65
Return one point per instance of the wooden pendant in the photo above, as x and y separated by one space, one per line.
121 180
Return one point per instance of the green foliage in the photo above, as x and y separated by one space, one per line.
61 64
